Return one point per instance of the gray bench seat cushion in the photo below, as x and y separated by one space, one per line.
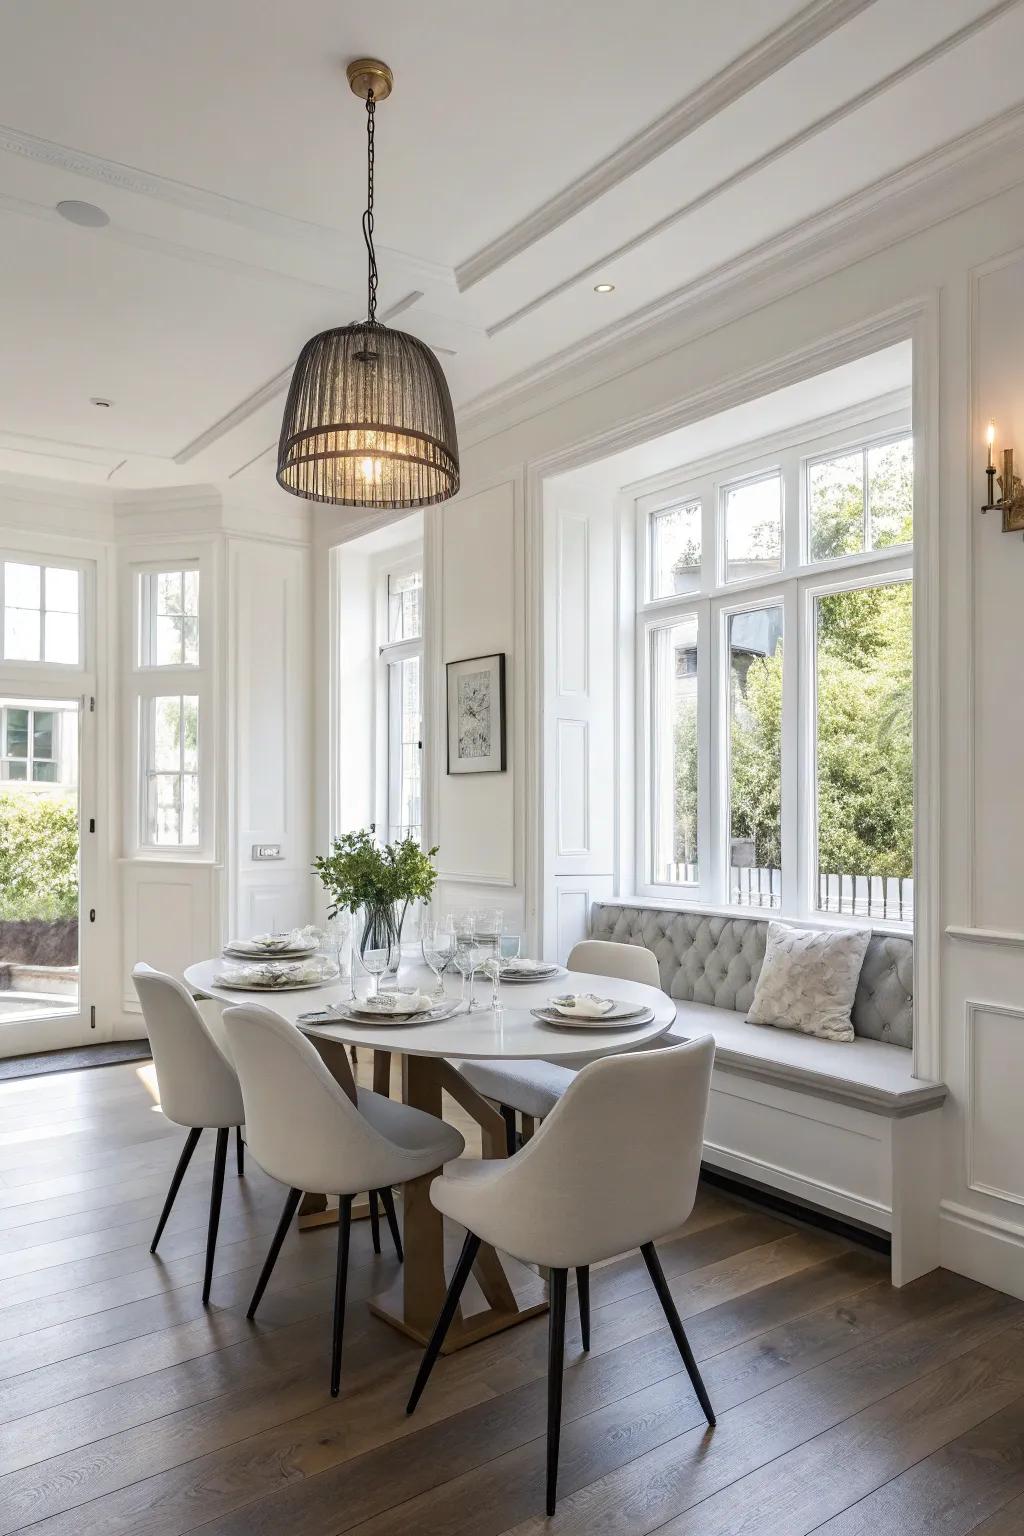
717 960
532 1087
863 1072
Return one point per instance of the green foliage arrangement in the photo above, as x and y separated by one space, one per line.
38 858
359 871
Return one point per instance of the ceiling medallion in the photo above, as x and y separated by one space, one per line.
369 419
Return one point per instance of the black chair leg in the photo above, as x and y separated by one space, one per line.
374 1221
220 1158
675 1322
287 1215
191 1142
239 1151
340 1283
556 1361
583 1290
508 1114
387 1200
444 1321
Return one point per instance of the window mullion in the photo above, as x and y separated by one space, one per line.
796 795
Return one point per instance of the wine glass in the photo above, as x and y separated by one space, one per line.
467 957
437 943
375 963
511 945
488 927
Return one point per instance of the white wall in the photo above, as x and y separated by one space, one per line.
968 271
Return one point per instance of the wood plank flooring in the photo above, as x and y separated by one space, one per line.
844 1406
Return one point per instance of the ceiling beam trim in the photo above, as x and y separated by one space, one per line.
754 167
766 58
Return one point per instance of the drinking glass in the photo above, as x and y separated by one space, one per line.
375 963
437 943
511 944
467 957
488 928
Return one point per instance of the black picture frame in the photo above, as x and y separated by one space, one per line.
496 760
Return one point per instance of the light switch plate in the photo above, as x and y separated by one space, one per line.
262 851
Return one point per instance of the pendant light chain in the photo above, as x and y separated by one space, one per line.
368 215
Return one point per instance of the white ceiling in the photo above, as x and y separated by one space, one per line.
528 151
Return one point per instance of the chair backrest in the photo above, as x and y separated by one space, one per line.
300 1125
615 1164
631 962
198 1085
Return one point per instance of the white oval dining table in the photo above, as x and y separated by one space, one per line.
510 1291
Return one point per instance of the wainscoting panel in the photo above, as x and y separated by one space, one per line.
995 1094
573 624
171 917
572 781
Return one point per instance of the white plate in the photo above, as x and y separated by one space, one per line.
524 978
606 1021
237 952
342 1015
234 984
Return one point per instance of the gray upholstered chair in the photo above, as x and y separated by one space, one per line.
533 1088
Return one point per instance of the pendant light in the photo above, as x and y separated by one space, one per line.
369 420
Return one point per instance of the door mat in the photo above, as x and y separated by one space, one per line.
75 1058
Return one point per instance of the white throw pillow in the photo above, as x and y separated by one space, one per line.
809 979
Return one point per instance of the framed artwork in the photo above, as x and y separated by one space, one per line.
476 715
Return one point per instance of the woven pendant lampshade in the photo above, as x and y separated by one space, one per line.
369 419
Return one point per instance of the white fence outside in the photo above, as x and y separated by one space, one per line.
877 896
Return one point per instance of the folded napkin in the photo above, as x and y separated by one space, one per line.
584 1005
396 1002
271 943
523 967
271 974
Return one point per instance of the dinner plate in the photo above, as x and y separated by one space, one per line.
607 1021
238 952
342 1015
241 984
620 1008
525 978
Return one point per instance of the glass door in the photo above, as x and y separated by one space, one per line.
43 897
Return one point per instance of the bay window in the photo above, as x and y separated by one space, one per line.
774 679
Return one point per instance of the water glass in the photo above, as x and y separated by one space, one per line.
375 963
437 943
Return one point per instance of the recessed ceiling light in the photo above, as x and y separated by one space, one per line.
604 287
86 214
99 400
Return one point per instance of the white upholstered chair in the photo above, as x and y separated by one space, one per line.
305 1131
198 1088
614 1167
533 1088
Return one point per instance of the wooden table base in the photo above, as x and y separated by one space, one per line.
412 1305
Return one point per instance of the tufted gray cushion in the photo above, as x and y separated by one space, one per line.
717 960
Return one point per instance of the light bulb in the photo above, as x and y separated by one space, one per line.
990 437
370 469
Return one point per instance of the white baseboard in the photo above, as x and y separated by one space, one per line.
983 1247
826 1197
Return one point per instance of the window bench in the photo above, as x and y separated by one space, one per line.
844 1128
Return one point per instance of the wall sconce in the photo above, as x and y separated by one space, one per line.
1011 488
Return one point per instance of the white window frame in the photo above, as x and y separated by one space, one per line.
32 708
145 617
55 562
794 588
145 682
388 777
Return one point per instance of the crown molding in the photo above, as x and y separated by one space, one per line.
947 181
754 167
764 59
234 418
198 200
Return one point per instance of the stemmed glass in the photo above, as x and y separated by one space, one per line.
375 963
437 942
467 956
489 925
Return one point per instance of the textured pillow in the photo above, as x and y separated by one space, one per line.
809 979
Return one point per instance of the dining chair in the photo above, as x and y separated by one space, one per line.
198 1088
305 1131
534 1087
614 1167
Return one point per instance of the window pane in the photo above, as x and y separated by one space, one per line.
404 778
190 642
864 768
190 593
44 773
835 503
190 733
755 757
165 743
190 809
21 634
61 590
169 592
21 585
753 528
61 640
42 733
168 619
675 550
15 770
164 815
168 650
17 733
674 722
891 493
405 614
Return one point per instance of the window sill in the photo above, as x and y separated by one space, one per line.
762 914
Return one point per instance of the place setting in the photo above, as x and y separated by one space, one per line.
586 1010
277 962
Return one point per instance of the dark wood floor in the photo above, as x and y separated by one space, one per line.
844 1406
